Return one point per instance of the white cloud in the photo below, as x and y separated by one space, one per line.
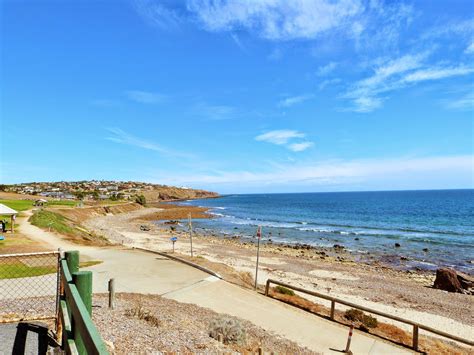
286 137
432 172
279 136
276 19
215 112
470 49
293 100
464 103
328 82
397 74
122 137
326 69
437 73
145 97
299 147
157 14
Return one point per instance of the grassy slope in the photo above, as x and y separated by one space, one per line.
18 205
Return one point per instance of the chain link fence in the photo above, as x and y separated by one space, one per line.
28 286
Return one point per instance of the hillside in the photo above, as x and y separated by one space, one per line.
169 193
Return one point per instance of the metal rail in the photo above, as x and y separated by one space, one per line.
334 300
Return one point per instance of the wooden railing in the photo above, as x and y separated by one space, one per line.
75 327
334 300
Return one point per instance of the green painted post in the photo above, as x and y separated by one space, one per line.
83 282
72 260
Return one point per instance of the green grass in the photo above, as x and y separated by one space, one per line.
18 205
18 270
69 203
48 219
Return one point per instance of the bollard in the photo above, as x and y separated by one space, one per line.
348 345
112 293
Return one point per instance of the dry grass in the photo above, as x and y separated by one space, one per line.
138 311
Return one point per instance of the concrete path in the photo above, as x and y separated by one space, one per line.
143 272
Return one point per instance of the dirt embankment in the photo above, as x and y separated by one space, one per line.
173 212
169 193
79 215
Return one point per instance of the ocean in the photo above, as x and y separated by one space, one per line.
434 228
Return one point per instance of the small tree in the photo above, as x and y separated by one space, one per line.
140 199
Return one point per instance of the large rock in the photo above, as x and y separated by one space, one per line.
449 280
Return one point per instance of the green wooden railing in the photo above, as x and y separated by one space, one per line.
75 327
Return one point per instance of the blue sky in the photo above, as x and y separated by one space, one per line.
240 96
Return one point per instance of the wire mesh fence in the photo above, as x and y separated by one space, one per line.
28 286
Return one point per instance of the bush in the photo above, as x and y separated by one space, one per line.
284 291
141 313
365 320
229 328
140 199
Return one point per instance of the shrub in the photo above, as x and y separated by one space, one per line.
229 328
366 321
284 291
139 312
140 199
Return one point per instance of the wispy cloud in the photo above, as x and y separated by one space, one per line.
145 97
118 135
403 171
328 82
294 100
464 103
215 112
238 42
299 147
286 137
396 74
326 69
158 14
469 49
279 136
277 19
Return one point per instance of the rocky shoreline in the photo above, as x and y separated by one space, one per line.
333 271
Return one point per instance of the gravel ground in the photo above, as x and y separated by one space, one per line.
174 327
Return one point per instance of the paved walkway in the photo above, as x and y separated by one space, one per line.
142 272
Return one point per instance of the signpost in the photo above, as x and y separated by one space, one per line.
190 225
259 235
173 239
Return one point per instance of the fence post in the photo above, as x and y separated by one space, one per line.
72 260
83 282
267 287
415 337
333 307
112 293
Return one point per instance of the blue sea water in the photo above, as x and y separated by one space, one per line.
367 223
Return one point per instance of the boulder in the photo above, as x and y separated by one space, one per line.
449 280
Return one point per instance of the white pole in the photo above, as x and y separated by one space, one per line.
259 234
190 233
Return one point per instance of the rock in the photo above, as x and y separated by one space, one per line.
397 245
338 247
404 258
356 238
425 250
449 280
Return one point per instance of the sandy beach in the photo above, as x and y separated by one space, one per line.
333 272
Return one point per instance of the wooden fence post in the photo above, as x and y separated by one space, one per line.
72 260
333 309
415 337
112 293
